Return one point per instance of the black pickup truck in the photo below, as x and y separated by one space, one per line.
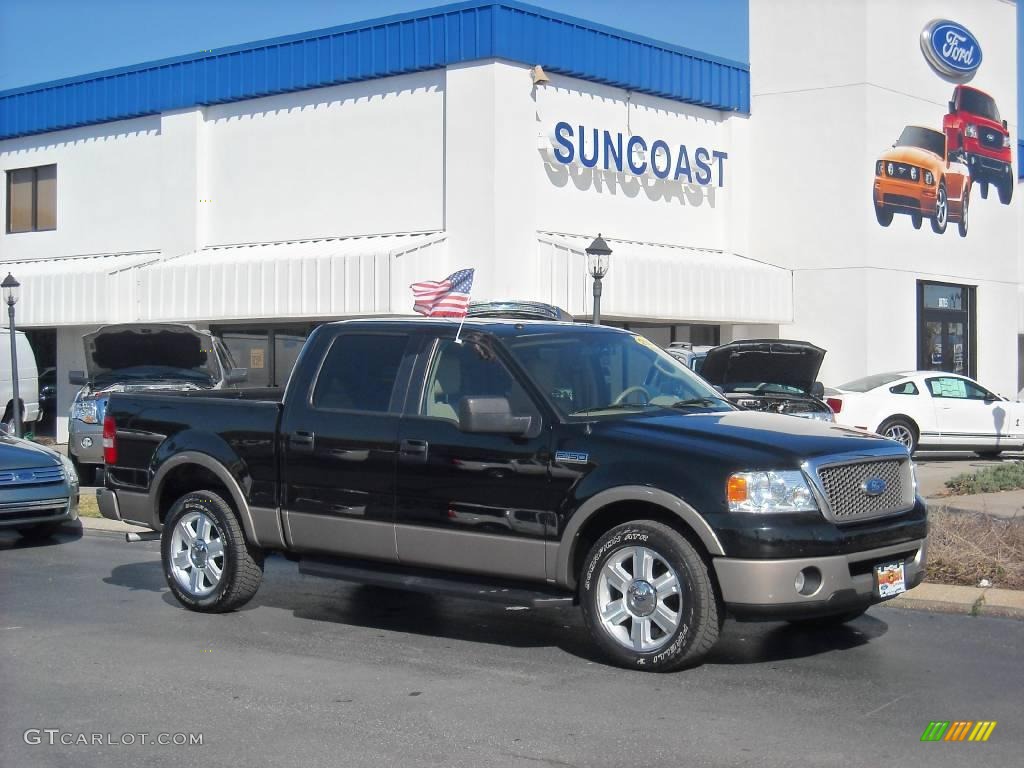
539 463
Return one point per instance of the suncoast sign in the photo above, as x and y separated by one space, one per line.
951 50
594 148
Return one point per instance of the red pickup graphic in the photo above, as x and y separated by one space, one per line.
973 125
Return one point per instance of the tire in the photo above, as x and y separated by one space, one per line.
40 531
916 219
1006 192
639 629
984 190
901 430
883 215
227 569
824 622
86 472
961 225
988 454
941 217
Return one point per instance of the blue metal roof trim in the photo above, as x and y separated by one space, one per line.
394 45
1020 159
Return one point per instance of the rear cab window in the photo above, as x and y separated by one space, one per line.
361 373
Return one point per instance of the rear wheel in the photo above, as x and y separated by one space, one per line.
900 430
984 190
941 216
988 454
648 599
86 472
208 564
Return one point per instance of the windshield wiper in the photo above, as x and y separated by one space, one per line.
698 401
613 407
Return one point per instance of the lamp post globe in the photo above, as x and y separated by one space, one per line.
10 287
598 261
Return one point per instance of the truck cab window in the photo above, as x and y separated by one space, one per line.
469 370
359 373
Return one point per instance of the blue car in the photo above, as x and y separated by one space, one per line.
38 488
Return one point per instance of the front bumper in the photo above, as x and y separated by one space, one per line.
991 169
904 196
59 508
85 442
766 589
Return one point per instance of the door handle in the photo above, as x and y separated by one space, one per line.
301 442
413 451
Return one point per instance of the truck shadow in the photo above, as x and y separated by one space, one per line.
754 643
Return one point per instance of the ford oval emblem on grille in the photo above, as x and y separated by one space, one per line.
873 486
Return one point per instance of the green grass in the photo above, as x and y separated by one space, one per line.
1002 477
87 506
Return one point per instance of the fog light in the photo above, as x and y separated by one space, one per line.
808 581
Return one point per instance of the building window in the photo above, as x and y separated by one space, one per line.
946 328
32 199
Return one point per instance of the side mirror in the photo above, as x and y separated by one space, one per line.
77 378
818 390
951 106
719 388
237 376
1005 126
491 415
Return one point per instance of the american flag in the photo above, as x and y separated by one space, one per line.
447 298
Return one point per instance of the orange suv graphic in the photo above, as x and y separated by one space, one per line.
920 178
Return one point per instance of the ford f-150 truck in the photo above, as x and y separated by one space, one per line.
538 463
972 125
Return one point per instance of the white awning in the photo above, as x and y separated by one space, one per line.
78 290
647 280
307 278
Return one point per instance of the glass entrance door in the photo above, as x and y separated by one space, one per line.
945 328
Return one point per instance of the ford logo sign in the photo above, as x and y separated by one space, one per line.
951 50
873 486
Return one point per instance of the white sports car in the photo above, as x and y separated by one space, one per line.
931 410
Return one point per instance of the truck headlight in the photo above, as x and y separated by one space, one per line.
928 177
1006 141
85 411
971 131
767 492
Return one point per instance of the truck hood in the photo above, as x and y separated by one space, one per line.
745 438
21 454
116 347
773 361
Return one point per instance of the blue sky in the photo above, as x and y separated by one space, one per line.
44 40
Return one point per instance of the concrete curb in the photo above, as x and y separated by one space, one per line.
973 601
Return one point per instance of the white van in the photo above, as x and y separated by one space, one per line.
28 379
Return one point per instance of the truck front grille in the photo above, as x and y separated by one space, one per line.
867 489
38 475
990 138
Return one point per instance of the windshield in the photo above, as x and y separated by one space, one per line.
923 138
871 382
605 372
153 373
978 103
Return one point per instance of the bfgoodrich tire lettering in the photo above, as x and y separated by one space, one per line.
639 580
208 564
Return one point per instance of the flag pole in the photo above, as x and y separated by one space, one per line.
459 332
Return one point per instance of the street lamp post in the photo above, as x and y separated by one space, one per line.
10 286
598 254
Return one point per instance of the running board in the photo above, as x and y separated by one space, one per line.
453 585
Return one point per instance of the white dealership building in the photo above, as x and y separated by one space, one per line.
262 189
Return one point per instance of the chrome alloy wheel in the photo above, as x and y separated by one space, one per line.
197 554
901 434
941 207
639 599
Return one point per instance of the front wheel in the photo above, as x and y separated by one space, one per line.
86 472
941 215
962 224
40 531
208 564
988 454
1006 192
648 599
883 215
900 430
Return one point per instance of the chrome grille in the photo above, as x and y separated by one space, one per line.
33 476
990 138
845 488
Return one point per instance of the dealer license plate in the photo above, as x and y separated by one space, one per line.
889 578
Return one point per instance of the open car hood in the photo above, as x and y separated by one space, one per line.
773 361
116 347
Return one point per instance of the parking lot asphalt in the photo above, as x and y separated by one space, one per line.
315 672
